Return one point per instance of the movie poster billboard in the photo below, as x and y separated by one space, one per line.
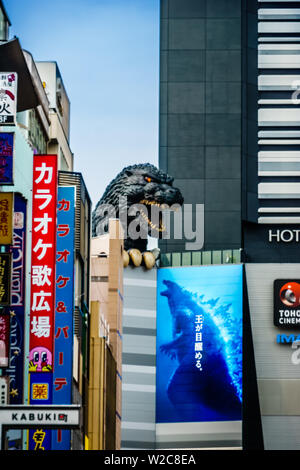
199 344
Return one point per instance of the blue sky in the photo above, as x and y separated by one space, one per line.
108 53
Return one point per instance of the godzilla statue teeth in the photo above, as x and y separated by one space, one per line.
141 184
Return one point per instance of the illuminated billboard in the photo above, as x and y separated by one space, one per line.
64 301
42 301
6 218
199 344
6 157
43 256
17 306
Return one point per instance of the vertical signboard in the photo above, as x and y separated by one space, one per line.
15 370
43 262
64 302
199 344
6 218
6 157
8 98
5 273
42 303
41 388
4 339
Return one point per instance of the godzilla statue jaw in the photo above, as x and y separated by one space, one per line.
160 227
150 191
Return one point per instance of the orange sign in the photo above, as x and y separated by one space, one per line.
6 218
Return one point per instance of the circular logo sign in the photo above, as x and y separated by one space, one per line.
290 294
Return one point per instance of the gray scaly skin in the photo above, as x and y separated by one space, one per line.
139 184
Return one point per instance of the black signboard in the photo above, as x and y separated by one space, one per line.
5 275
287 303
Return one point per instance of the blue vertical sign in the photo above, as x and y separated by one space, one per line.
6 157
64 307
40 386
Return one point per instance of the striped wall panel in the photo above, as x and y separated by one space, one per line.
139 429
208 435
139 363
278 111
278 377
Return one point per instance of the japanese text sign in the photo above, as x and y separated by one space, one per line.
17 305
4 339
6 218
64 301
5 274
8 97
42 303
6 157
64 295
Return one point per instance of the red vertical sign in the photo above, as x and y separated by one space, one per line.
42 305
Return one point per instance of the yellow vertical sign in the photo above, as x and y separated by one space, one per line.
6 218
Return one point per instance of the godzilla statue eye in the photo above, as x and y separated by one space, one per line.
148 179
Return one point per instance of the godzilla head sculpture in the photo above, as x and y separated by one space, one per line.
144 188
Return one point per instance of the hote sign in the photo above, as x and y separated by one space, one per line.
285 236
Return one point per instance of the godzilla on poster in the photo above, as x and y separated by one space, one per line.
199 344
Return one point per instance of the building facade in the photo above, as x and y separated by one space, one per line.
139 359
105 387
201 113
36 130
59 113
229 134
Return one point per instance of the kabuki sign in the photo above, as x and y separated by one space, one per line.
27 416
44 200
